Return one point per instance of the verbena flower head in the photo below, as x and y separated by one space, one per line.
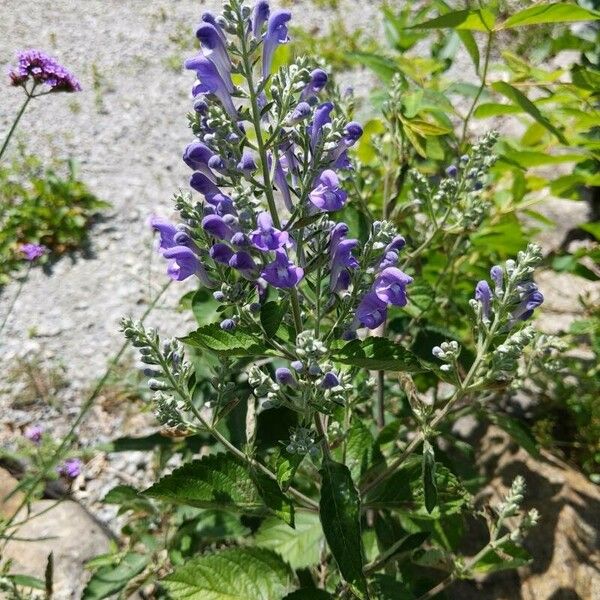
33 251
34 433
70 469
42 70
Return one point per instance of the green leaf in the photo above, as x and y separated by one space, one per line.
286 466
380 65
361 450
557 12
428 471
517 431
128 498
340 518
505 556
237 342
309 594
26 581
378 354
475 20
587 79
271 315
528 106
299 547
233 574
273 497
493 109
204 306
468 40
593 228
385 587
108 580
215 481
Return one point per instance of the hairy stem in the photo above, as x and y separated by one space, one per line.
16 122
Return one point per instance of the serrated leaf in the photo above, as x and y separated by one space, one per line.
271 315
361 449
299 547
237 342
286 466
340 518
428 474
557 12
109 580
378 354
273 497
233 574
204 306
216 481
528 106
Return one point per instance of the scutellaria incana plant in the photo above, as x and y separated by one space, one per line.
302 308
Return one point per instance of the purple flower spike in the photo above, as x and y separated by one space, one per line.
497 275
266 237
215 50
282 273
260 14
285 377
247 164
330 380
34 433
277 33
483 294
318 80
321 118
390 286
342 260
215 225
33 251
70 469
371 311
210 81
328 196
44 71
221 253
183 262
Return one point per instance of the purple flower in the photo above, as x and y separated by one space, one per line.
33 251
260 14
390 286
221 253
299 113
483 294
247 164
34 433
318 80
285 377
282 273
266 237
497 275
183 263
531 298
208 17
70 469
330 380
166 231
328 196
341 258
297 365
277 33
215 50
371 311
320 119
196 156
227 324
210 81
244 263
222 203
396 244
281 184
452 171
390 259
352 132
217 227
43 70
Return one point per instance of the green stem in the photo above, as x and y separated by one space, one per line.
321 431
16 122
484 73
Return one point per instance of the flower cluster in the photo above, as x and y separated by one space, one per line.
70 468
43 70
33 251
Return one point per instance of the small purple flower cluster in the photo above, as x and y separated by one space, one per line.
255 243
70 468
33 251
34 433
43 70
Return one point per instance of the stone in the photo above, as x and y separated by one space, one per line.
70 533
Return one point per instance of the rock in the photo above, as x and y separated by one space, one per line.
70 533
8 483
565 544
